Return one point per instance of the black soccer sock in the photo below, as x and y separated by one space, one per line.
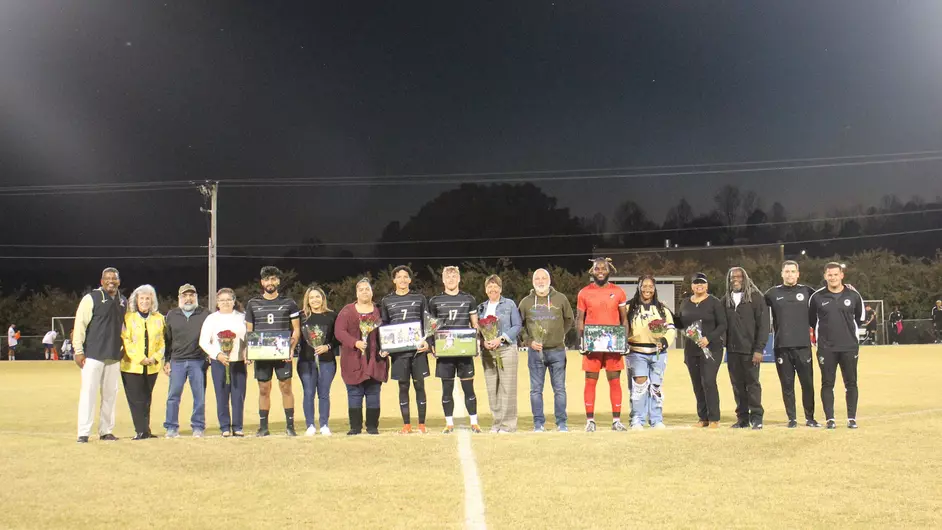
420 399
470 399
289 418
448 390
263 419
404 401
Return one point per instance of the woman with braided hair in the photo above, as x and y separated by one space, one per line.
647 353
601 304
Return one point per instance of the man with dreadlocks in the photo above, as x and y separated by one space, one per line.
602 304
747 332
647 354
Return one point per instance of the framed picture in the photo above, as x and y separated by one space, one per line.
456 343
610 339
396 338
268 345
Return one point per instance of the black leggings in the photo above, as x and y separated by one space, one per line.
419 399
470 399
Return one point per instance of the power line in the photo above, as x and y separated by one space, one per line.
153 256
486 239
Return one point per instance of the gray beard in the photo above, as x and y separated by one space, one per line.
188 307
541 292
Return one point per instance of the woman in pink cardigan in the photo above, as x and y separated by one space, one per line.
362 367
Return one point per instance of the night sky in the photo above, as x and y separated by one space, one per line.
117 91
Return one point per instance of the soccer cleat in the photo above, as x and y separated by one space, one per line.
851 424
172 433
539 428
636 427
618 426
475 428
325 431
82 440
422 429
448 429
831 424
197 433
311 431
813 424
792 424
289 431
757 427
659 425
590 426
262 432
108 438
406 429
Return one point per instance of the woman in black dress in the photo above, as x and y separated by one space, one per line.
709 311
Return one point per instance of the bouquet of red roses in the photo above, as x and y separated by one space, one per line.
314 336
226 343
694 332
367 324
659 328
490 329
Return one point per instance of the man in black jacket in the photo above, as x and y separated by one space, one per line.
789 304
747 332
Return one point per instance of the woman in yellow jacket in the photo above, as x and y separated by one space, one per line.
647 353
143 337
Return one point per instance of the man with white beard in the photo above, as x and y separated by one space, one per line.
547 317
185 360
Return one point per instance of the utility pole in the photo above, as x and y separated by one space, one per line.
210 192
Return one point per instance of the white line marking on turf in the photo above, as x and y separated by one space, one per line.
473 496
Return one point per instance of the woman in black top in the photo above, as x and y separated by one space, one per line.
317 374
709 311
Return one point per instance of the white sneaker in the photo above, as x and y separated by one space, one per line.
637 427
325 431
659 425
311 431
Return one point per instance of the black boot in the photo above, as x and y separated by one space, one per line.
372 421
356 421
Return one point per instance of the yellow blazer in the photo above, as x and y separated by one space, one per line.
132 334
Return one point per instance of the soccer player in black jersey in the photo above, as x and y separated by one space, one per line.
399 307
455 309
836 312
273 312
789 304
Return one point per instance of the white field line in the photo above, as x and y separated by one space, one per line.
473 496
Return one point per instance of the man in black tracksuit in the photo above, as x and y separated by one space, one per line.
747 332
789 304
836 312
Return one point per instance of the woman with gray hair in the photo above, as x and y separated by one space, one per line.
143 338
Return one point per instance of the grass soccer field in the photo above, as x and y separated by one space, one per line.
886 474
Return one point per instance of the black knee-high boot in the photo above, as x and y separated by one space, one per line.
356 421
372 421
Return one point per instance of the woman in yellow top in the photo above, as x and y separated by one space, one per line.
647 354
143 337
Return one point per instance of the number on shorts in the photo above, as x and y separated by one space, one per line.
271 318
453 314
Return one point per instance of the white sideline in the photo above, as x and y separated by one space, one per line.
473 496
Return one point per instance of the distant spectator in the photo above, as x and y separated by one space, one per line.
896 325
13 338
49 343
937 321
870 324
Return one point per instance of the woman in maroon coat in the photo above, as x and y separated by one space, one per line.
362 367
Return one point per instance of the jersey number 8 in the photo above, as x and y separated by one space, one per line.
271 318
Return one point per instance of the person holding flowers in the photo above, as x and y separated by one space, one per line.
546 317
650 332
500 324
222 337
316 364
703 351
363 367
143 338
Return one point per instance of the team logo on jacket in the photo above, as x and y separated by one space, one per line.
847 302
800 297
780 360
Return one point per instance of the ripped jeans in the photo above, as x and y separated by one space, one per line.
646 398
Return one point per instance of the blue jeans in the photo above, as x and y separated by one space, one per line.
234 392
646 398
180 371
368 389
316 383
555 362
